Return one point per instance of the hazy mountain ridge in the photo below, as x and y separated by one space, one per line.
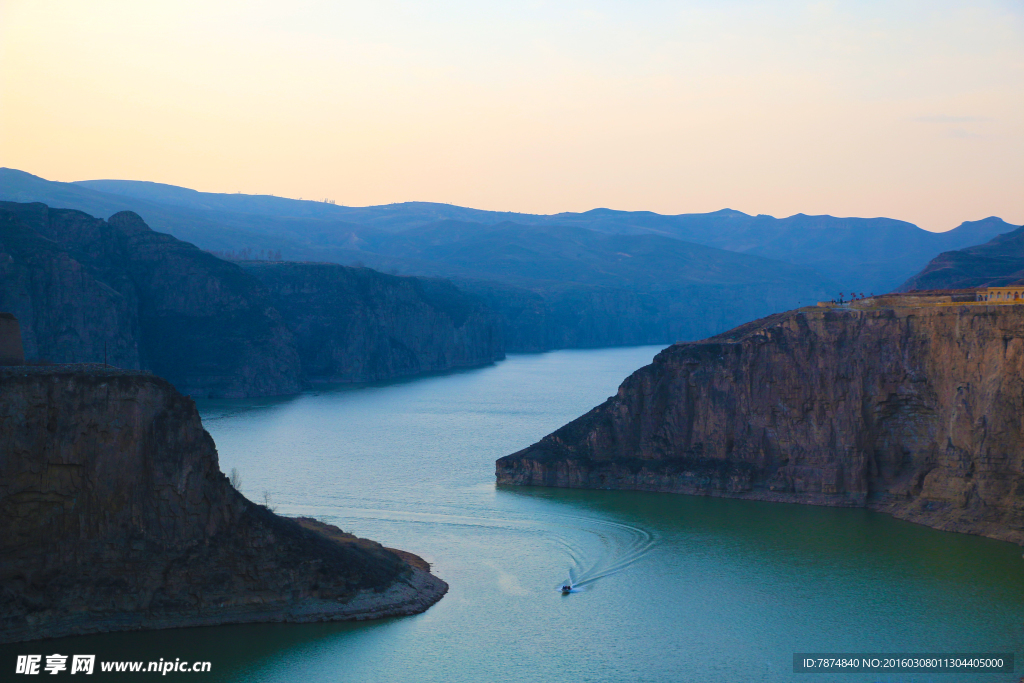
565 280
591 284
866 254
998 262
541 255
869 254
388 216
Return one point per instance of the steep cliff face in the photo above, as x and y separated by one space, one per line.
85 289
357 325
117 517
916 411
11 350
206 324
67 313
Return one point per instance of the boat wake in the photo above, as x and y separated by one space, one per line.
624 545
597 548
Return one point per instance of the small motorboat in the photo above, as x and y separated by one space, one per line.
566 588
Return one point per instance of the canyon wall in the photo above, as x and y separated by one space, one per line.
67 313
115 291
917 411
117 517
359 325
88 290
11 350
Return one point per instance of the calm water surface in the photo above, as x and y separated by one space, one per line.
675 588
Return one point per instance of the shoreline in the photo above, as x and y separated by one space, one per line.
413 593
407 597
121 520
908 410
989 530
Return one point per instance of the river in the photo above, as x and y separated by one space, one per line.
675 588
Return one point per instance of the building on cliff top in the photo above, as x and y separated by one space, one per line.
1001 295
1013 294
11 351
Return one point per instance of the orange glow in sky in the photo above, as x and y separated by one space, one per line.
912 110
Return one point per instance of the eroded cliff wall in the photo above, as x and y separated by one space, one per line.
89 290
359 325
116 516
67 314
916 411
11 350
86 289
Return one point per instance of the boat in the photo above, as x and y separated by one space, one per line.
566 588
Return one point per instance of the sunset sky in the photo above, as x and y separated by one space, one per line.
912 110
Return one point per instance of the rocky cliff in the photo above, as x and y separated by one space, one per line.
117 517
358 325
67 313
11 350
917 411
86 289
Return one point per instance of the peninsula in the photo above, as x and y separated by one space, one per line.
117 517
910 405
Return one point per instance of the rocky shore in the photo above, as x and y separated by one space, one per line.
117 517
913 409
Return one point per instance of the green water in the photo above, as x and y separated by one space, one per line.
680 589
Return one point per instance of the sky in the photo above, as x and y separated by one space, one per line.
907 109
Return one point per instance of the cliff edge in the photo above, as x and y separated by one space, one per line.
117 517
914 410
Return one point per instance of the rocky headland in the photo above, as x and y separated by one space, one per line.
901 404
117 517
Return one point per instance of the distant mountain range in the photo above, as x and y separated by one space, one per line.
996 263
858 253
597 278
